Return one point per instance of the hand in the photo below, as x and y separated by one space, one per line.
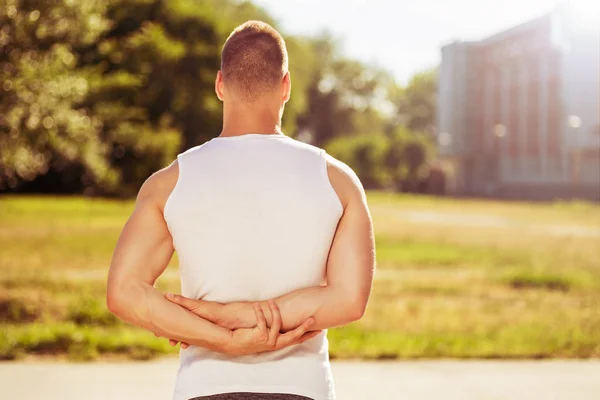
231 316
262 339
174 342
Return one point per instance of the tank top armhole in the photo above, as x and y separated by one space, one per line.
332 193
168 203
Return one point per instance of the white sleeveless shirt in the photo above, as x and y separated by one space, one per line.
252 218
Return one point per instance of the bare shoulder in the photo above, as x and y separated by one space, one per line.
157 188
345 182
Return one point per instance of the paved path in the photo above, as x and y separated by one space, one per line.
418 380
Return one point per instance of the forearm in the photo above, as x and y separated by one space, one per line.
329 306
145 306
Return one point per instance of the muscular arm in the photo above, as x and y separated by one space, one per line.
350 265
350 268
140 257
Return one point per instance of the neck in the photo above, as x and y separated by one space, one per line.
239 119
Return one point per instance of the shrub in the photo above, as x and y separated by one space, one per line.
18 310
542 280
91 311
365 154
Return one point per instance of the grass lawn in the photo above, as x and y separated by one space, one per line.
455 278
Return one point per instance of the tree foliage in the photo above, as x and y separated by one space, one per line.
344 96
42 125
415 104
398 161
97 94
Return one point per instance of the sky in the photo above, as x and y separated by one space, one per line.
403 37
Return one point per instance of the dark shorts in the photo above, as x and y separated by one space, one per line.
252 396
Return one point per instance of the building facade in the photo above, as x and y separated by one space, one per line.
519 112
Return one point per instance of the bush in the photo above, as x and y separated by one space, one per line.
398 161
18 310
79 342
562 282
406 160
365 154
91 311
435 183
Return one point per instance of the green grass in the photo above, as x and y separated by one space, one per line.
530 340
78 342
455 278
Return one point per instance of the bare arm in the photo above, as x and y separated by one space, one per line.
350 269
142 254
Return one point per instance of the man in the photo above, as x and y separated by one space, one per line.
254 215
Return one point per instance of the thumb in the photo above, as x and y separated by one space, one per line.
190 304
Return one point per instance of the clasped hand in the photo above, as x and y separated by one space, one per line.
250 337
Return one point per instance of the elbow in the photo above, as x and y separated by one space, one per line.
120 299
129 303
356 309
114 301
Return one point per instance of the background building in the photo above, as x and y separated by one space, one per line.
518 112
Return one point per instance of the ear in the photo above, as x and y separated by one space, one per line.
219 89
286 87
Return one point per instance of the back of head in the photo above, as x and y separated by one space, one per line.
254 60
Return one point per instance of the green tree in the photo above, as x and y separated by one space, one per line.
407 159
43 127
344 96
98 94
302 65
398 161
156 70
415 105
365 154
152 88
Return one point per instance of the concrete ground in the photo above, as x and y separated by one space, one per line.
411 380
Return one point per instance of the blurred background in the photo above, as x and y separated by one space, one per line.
473 125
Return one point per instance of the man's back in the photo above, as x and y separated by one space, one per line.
252 218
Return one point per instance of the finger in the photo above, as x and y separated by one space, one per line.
275 323
184 345
173 342
261 321
185 302
157 335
